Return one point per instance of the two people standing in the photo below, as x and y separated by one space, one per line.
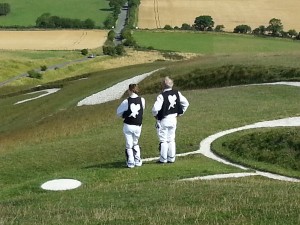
168 106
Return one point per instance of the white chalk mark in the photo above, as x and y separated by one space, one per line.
48 92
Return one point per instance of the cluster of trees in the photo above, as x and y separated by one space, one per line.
48 21
275 29
116 6
110 48
4 9
206 23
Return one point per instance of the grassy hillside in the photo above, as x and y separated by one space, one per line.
51 138
25 13
213 43
13 63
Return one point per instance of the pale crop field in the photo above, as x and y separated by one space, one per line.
230 13
52 39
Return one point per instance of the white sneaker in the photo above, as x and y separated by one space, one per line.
138 163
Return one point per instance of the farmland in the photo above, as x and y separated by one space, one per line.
25 13
52 40
230 13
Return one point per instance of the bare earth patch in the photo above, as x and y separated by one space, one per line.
230 13
52 40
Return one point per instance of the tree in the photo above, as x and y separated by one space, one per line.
120 50
275 26
243 29
111 35
219 28
185 26
89 24
168 27
109 22
292 33
4 9
43 20
261 30
204 23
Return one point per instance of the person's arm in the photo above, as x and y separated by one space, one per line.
157 105
143 103
122 108
183 102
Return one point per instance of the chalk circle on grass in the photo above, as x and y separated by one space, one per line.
61 184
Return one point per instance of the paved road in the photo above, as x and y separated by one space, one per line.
120 24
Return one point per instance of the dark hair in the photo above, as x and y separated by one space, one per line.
133 88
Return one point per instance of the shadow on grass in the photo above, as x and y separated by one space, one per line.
118 164
106 10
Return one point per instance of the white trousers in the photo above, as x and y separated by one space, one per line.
132 134
166 129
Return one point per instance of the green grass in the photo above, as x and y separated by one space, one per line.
51 138
25 13
274 149
214 43
13 63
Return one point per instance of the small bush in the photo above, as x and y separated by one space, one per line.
84 51
109 50
120 50
111 35
34 74
44 68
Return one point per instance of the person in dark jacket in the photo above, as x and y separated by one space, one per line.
131 110
168 106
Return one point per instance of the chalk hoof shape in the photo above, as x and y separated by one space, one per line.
61 184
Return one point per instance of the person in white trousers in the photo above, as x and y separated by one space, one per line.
168 106
131 110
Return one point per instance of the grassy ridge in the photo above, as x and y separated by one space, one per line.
25 13
212 43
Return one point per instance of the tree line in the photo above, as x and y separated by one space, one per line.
206 23
46 20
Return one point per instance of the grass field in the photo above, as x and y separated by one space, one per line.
51 138
212 43
25 13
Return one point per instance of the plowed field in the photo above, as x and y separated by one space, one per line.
230 13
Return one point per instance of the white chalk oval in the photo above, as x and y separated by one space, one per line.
61 184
